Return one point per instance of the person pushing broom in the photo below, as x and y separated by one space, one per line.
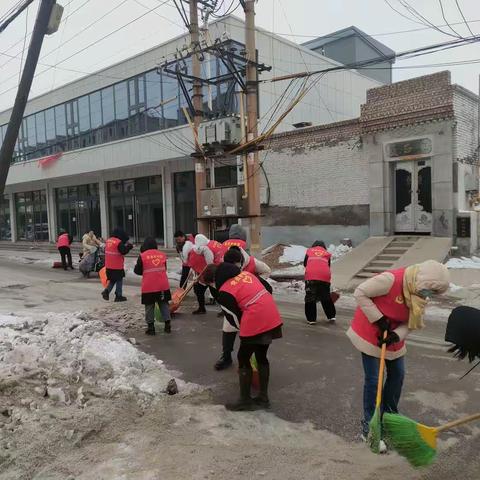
390 305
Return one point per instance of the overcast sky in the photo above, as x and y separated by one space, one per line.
305 19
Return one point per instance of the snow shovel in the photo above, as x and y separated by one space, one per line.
180 293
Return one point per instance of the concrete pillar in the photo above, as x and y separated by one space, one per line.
51 213
104 213
13 217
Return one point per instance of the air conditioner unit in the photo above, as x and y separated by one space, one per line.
224 131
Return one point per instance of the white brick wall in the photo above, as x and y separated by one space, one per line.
322 176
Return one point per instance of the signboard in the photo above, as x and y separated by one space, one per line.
463 227
419 146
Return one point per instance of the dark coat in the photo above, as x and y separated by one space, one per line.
123 247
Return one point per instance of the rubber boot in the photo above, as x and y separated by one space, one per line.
264 375
228 341
245 402
150 329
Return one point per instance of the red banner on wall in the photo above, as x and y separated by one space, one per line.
47 161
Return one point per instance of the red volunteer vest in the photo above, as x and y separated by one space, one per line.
259 311
63 240
218 251
154 277
113 258
235 242
196 261
250 266
317 265
392 305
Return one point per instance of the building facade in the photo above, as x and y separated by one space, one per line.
113 148
407 165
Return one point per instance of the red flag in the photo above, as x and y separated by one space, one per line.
47 161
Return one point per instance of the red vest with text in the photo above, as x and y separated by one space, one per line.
154 277
250 266
218 251
235 242
259 311
392 305
113 258
196 261
317 265
63 240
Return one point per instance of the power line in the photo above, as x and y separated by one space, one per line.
14 15
445 19
463 16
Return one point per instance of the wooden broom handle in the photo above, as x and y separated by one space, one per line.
381 372
460 421
187 290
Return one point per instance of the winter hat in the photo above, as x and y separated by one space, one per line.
463 330
238 232
224 272
201 240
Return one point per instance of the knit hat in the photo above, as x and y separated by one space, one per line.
238 232
463 330
224 272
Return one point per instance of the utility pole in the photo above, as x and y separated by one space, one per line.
48 19
197 100
252 178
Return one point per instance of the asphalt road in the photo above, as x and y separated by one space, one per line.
316 373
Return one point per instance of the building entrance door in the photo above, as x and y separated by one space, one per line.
137 207
413 196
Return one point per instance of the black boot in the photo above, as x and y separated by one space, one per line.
263 374
106 295
167 327
150 329
120 298
199 311
245 402
228 341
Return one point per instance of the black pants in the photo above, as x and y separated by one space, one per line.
66 255
318 291
200 290
246 351
183 278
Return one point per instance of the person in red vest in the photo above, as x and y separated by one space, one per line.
317 283
237 237
251 309
182 239
152 265
116 247
204 252
64 241
248 263
393 302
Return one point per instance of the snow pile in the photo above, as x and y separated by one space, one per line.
295 254
464 262
70 353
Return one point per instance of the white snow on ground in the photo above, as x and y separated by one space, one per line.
75 349
295 254
464 262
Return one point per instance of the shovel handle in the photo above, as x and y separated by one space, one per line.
381 372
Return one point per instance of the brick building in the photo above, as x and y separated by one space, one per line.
401 167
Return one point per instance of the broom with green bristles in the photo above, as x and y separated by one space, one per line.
375 425
414 441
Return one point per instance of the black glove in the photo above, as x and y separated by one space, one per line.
392 337
383 325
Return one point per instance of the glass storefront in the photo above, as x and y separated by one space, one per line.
31 215
78 210
5 225
185 201
136 205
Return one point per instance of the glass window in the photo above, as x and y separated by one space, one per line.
96 109
108 107
141 185
50 126
61 126
84 114
155 183
121 109
170 101
115 188
31 133
40 127
153 113
132 93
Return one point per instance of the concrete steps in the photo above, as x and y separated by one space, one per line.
385 260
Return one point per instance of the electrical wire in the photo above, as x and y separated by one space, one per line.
4 23
464 19
24 45
445 19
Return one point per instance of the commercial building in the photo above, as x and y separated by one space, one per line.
113 148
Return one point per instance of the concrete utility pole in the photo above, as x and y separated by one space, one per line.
252 177
47 21
197 100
